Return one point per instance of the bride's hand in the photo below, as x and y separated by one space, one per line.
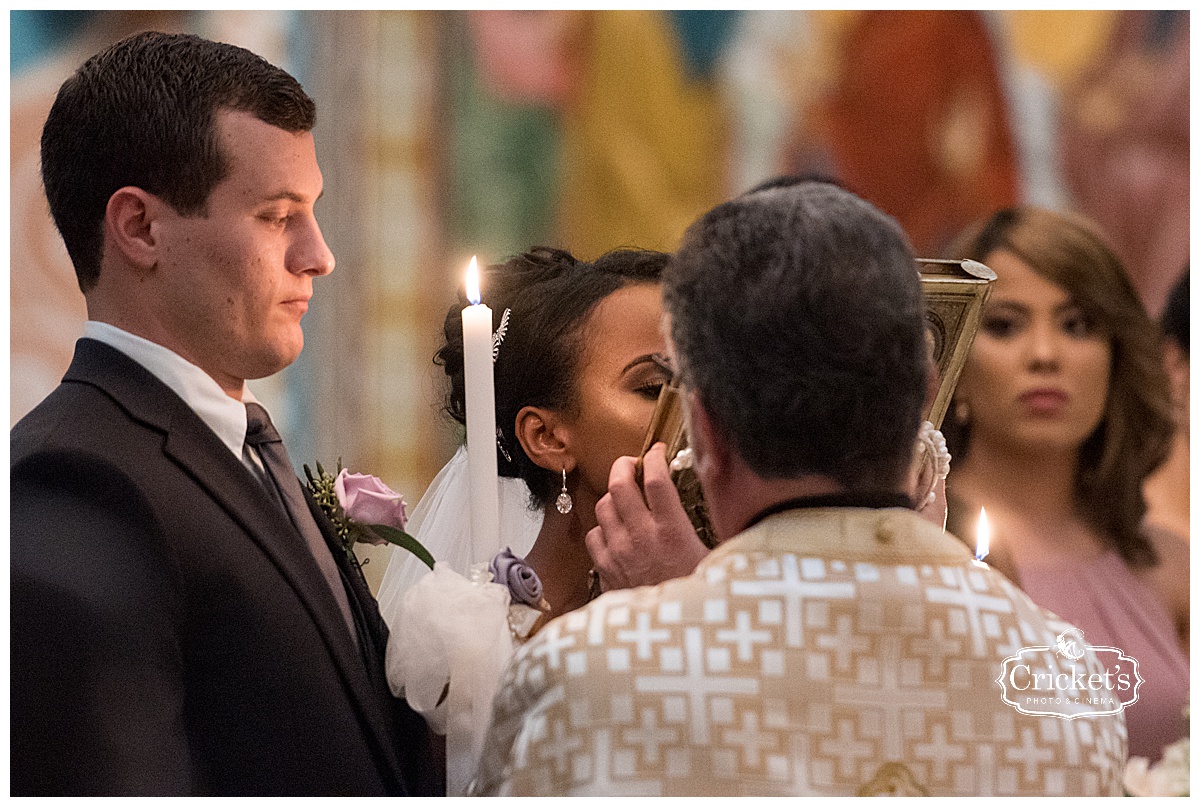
642 540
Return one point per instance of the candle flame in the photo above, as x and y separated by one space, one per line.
473 282
983 535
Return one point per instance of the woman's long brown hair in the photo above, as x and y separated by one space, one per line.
1134 434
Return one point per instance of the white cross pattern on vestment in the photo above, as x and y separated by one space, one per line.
845 749
752 741
743 636
650 737
793 589
935 647
889 697
972 601
554 644
940 751
1030 755
603 784
644 636
560 746
845 642
696 685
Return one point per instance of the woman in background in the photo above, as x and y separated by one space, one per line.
1060 414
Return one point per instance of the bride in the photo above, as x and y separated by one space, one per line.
578 369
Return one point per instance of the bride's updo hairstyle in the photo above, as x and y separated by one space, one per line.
550 295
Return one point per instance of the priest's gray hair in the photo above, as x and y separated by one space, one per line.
797 315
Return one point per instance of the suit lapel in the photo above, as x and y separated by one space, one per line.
242 496
372 631
192 445
356 584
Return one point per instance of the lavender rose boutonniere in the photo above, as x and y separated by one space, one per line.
367 500
363 510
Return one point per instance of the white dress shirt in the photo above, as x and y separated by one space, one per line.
226 416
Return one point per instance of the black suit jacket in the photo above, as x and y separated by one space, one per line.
171 633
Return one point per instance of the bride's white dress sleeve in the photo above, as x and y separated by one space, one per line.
450 637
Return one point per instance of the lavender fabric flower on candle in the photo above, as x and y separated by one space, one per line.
522 581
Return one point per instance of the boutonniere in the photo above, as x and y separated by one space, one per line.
363 510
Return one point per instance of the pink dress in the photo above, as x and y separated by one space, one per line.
1113 607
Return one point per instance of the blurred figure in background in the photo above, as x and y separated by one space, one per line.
1126 144
1061 413
917 122
1167 489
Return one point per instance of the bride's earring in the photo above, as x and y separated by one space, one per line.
564 502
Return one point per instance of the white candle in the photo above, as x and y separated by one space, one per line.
481 422
983 536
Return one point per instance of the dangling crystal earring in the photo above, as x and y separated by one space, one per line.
564 502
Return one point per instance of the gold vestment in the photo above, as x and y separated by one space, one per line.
827 651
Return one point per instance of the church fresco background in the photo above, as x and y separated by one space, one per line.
447 134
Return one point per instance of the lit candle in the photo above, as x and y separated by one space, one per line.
481 422
983 537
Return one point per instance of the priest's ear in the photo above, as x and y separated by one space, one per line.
711 449
545 438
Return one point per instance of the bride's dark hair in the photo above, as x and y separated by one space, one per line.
550 295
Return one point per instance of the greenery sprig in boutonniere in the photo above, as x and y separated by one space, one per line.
363 509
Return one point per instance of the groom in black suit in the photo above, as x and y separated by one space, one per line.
183 620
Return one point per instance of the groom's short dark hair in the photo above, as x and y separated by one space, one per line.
797 316
141 113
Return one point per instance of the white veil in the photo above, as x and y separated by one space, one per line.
441 522
449 624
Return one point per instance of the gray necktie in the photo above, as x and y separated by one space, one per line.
261 434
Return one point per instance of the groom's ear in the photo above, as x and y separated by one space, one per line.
131 224
543 436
